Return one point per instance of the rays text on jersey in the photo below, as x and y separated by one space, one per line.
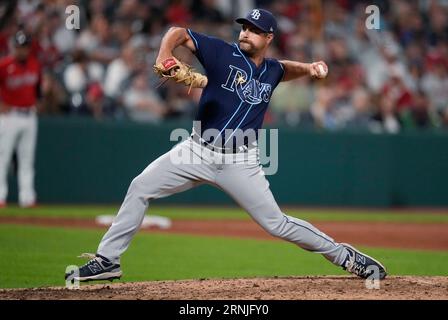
248 90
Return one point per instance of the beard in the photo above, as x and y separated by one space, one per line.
247 47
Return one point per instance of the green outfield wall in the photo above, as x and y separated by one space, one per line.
86 161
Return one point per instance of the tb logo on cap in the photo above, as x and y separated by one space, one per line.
255 14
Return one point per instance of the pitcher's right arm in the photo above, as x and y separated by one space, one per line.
173 38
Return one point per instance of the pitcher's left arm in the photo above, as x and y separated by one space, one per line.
295 69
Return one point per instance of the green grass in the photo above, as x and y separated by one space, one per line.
37 256
178 212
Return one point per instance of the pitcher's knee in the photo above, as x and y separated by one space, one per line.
276 227
137 186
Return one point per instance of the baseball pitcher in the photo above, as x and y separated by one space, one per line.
238 85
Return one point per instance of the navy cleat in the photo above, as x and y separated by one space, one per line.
361 264
98 268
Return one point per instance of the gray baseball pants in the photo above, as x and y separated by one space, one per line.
240 175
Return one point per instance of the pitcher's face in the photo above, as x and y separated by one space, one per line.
253 40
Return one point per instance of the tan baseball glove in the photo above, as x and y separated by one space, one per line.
181 72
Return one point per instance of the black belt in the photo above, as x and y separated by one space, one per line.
237 149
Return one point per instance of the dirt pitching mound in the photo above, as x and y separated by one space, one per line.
287 288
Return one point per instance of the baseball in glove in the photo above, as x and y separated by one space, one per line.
181 72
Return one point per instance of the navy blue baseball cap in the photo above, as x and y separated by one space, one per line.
260 18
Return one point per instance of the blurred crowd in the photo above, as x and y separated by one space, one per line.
385 80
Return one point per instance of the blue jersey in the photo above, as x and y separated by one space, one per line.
237 93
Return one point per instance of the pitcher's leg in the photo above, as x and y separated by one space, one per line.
250 189
160 179
25 153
